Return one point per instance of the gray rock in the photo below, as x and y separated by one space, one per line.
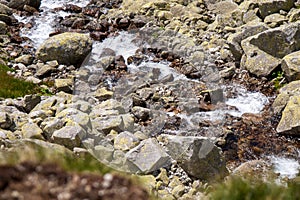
32 130
107 124
25 59
103 153
103 94
67 48
291 66
148 156
28 102
110 104
5 9
6 121
69 136
267 7
45 70
73 115
49 127
275 20
263 52
294 15
19 4
234 40
142 114
65 85
128 122
125 141
290 120
198 156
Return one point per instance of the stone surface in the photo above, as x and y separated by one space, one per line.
125 141
69 136
198 156
65 85
5 9
5 121
67 48
32 130
25 59
3 28
142 114
290 120
19 4
148 156
267 7
291 66
263 52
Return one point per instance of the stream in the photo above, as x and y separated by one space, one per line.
236 105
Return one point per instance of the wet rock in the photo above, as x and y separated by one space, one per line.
67 48
290 66
198 156
32 130
65 85
19 4
290 120
125 141
5 9
267 7
263 52
69 136
148 156
5 121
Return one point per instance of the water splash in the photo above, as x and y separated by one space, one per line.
285 167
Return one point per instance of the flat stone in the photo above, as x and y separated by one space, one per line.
65 85
148 156
25 59
125 141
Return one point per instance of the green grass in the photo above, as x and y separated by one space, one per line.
239 189
11 87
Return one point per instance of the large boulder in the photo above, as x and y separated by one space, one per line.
19 4
148 156
290 120
198 156
5 10
291 66
67 48
263 52
267 7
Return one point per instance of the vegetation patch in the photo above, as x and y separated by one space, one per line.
11 87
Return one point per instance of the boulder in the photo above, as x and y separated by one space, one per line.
290 120
69 136
287 91
65 85
198 156
148 156
32 130
291 66
267 7
19 4
125 141
5 10
107 124
67 48
263 52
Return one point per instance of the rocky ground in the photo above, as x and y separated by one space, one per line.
145 122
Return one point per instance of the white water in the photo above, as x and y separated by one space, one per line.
43 23
285 167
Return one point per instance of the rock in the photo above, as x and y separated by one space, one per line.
263 52
163 176
107 62
6 19
5 9
275 20
67 48
178 191
74 115
287 91
32 130
25 59
45 71
125 141
103 94
110 104
291 66
107 124
103 153
19 4
198 156
148 156
290 120
142 114
65 85
69 136
294 15
267 7
28 102
3 28
5 121
128 122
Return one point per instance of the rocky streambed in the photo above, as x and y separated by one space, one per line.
185 92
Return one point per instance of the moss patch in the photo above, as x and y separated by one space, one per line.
11 87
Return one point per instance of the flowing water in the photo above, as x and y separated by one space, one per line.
243 102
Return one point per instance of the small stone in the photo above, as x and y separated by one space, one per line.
178 191
103 94
25 59
125 141
142 114
5 121
65 85
163 176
